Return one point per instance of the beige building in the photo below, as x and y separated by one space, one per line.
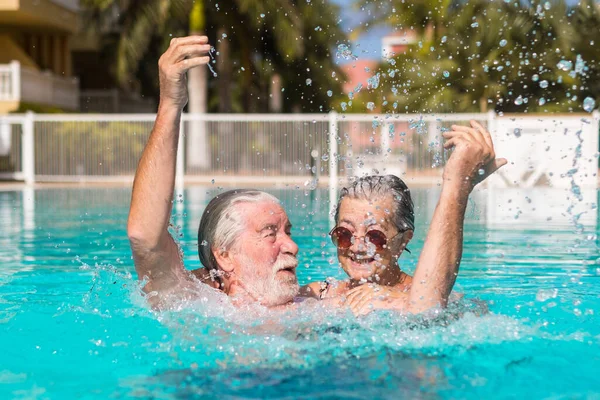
35 55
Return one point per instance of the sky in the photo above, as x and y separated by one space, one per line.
368 45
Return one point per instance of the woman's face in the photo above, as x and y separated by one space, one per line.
363 260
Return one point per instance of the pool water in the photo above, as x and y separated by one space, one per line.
73 323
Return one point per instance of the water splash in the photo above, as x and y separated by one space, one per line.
373 82
344 52
419 125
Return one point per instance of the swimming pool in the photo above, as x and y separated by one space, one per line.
72 324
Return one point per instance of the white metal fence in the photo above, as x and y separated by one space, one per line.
10 83
289 148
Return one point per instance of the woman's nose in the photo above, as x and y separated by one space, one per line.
358 244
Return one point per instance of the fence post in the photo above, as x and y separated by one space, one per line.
333 153
15 73
27 149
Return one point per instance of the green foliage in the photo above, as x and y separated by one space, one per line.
584 40
89 148
480 55
38 108
285 37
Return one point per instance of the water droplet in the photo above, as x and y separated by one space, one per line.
444 39
589 104
446 74
503 42
262 15
517 132
547 5
519 100
579 65
344 106
204 243
371 105
309 82
329 93
325 157
542 101
373 82
318 28
544 84
343 51
564 65
474 25
535 77
481 171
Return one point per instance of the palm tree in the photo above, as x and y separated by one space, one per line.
584 40
493 55
259 37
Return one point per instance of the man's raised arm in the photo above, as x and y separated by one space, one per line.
155 254
438 264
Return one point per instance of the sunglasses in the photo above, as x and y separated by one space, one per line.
342 238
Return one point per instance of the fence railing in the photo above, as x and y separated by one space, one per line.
277 148
19 83
10 82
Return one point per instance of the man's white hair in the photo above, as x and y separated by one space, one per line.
221 223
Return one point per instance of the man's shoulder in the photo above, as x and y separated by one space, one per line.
204 276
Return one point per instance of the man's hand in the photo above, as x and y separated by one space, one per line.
183 54
473 158
368 297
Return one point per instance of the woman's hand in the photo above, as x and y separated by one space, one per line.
368 297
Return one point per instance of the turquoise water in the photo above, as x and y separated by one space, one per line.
73 325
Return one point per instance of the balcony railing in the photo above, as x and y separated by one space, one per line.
22 84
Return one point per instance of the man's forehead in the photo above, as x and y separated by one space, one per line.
261 212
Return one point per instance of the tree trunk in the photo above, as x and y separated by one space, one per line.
483 104
275 97
224 72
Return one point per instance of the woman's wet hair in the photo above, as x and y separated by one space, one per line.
221 223
378 187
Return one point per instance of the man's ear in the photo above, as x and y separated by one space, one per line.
224 259
407 236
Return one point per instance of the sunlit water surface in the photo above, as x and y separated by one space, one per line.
73 324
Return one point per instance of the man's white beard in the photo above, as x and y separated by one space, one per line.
271 290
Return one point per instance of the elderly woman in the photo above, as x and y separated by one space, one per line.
374 222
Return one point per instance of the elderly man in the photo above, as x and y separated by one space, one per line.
244 235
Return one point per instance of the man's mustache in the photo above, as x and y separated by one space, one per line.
285 262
